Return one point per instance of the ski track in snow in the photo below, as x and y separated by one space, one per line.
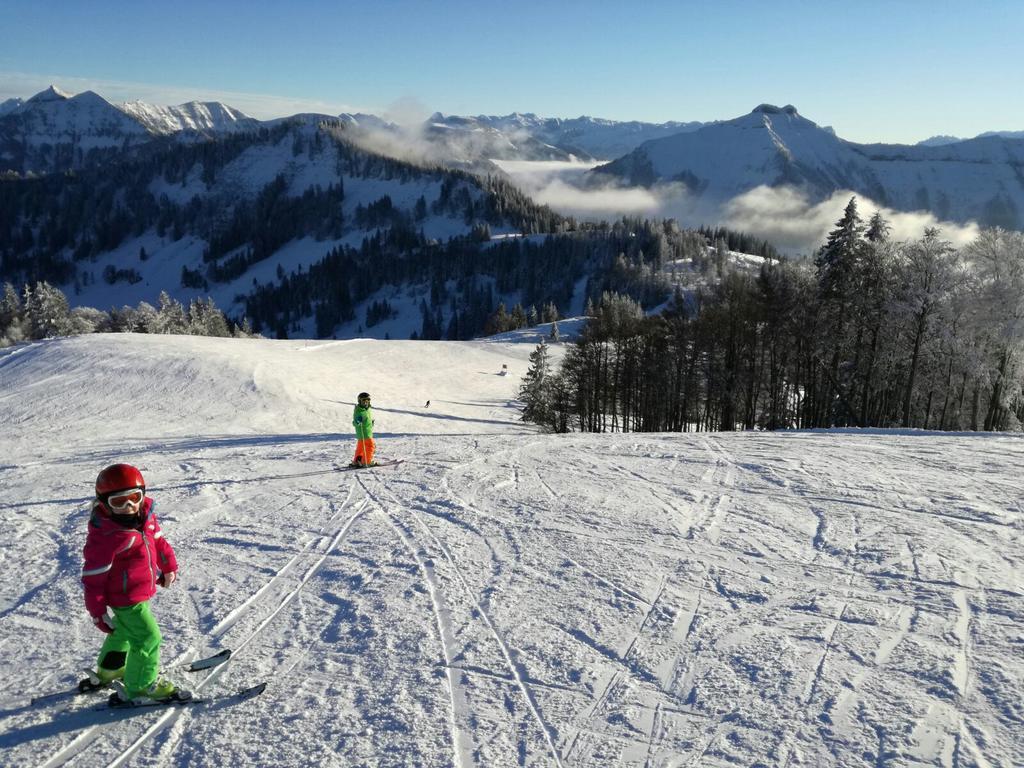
506 598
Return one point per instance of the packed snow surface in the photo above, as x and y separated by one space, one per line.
503 597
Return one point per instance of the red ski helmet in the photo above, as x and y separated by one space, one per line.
118 477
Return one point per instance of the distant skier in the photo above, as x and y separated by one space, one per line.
362 420
427 405
126 556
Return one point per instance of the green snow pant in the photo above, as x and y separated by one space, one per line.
136 638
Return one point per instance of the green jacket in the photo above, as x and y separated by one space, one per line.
362 420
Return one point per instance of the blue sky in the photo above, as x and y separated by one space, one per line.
875 71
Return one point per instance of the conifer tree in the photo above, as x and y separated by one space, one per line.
534 392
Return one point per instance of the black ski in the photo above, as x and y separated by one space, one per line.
386 463
233 697
90 685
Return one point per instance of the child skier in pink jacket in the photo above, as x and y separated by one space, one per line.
126 556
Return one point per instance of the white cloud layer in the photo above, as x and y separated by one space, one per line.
782 215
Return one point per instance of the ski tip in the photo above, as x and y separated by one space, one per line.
256 690
210 661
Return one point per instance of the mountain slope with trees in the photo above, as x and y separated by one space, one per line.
302 231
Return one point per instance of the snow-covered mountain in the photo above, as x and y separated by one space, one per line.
584 138
978 180
503 597
54 130
206 118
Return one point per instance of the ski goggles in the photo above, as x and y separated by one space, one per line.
123 499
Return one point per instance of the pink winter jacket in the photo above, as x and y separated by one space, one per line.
122 564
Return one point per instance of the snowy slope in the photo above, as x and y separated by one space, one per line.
503 597
976 180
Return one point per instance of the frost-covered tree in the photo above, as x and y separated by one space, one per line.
170 316
12 329
10 308
926 275
146 317
47 311
997 257
88 320
204 319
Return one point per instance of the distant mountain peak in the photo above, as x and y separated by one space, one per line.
938 141
53 93
10 105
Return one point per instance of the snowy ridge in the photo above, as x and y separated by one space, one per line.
505 597
937 141
54 130
210 117
587 138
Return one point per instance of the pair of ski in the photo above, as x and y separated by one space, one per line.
91 684
375 465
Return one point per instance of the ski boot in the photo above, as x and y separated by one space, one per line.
100 678
161 691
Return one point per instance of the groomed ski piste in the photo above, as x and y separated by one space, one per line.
503 597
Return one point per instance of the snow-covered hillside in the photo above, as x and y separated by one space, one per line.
975 180
502 597
155 259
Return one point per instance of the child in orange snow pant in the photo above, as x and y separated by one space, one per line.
364 451
362 420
